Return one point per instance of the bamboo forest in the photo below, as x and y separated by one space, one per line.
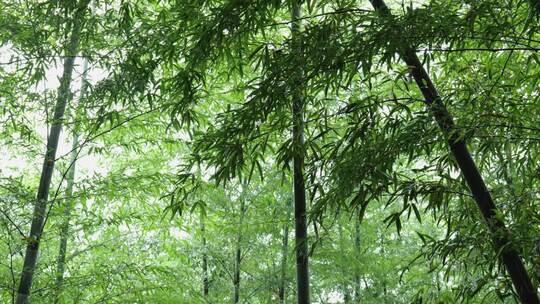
270 151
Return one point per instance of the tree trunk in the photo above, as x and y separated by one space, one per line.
507 166
302 271
64 229
343 250
69 203
238 251
499 233
38 217
357 222
357 283
284 253
206 286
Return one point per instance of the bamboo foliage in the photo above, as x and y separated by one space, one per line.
205 129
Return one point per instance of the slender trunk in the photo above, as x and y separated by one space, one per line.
238 252
507 166
357 283
383 253
342 249
499 233
346 294
357 222
284 253
64 228
206 286
38 217
302 270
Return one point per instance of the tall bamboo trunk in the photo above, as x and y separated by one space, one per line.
357 283
206 283
69 202
64 229
238 252
284 253
507 167
500 235
38 217
360 212
302 270
345 276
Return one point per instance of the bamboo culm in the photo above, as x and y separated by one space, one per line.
206 282
64 229
238 251
38 217
499 234
69 203
284 251
300 218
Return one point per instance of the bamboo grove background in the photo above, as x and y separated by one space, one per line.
267 151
